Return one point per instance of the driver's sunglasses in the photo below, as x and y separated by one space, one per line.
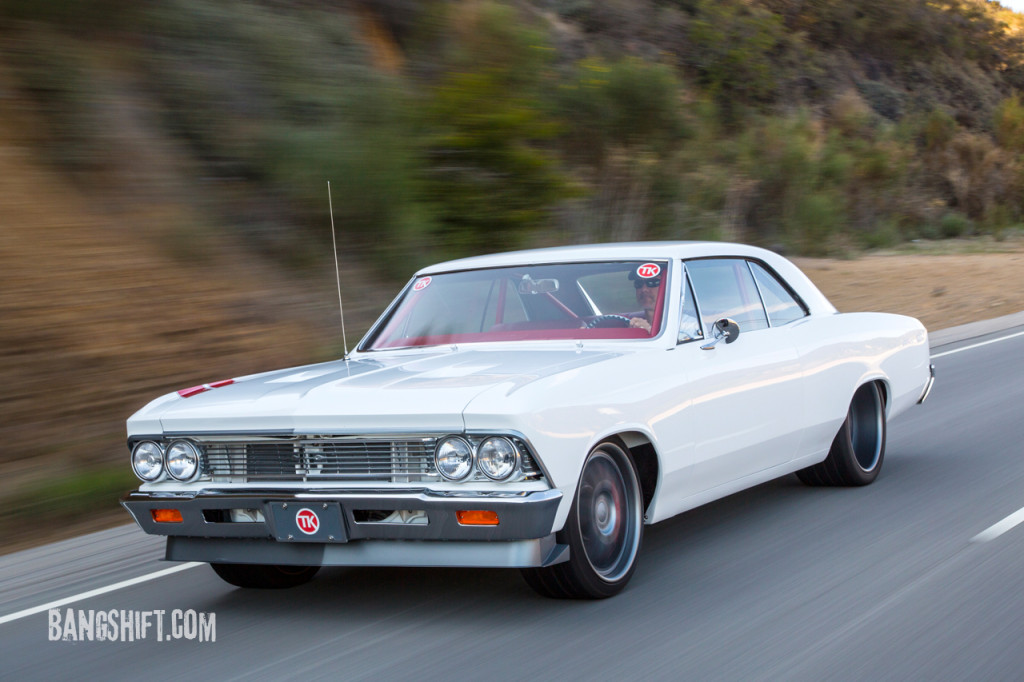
651 283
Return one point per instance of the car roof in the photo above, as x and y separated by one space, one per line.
601 252
814 299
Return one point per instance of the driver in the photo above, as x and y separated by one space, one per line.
646 297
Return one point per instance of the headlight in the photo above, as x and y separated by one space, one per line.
497 458
454 458
147 460
182 460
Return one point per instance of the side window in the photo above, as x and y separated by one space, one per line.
689 324
782 307
725 288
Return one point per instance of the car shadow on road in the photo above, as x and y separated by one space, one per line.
765 527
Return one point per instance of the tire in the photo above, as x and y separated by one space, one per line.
604 531
264 577
858 450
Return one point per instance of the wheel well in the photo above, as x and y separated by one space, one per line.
883 389
646 460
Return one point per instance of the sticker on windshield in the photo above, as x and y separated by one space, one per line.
422 284
648 270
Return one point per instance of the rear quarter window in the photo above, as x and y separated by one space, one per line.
781 305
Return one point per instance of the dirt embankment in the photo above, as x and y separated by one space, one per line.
942 290
107 304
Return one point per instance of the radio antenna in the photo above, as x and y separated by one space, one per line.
337 270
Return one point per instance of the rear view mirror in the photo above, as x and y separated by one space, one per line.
530 286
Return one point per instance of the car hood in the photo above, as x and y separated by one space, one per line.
419 391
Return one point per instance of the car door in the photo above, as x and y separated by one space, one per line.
746 404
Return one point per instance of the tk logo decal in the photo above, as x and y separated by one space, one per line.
648 270
307 521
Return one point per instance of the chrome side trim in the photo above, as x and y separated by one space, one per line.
928 386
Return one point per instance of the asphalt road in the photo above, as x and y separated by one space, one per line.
779 582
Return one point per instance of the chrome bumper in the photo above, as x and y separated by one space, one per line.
927 386
344 535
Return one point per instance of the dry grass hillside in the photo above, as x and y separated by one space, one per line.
99 313
943 287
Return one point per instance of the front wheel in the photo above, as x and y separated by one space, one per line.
264 577
603 531
857 451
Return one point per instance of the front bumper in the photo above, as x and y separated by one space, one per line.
928 386
344 536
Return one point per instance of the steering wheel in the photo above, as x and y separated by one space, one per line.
602 321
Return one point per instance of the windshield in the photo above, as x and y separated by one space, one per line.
616 300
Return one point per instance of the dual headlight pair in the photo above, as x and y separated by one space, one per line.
180 460
496 457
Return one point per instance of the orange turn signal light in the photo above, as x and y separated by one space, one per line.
166 515
477 518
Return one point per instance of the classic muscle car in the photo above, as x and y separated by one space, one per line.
533 410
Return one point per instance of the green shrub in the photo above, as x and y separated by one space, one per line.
733 48
486 178
955 224
883 100
1009 124
95 16
70 495
627 103
939 129
816 217
884 235
998 217
282 102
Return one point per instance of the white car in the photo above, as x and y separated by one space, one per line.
534 410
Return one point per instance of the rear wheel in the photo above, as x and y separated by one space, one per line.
857 451
264 577
603 531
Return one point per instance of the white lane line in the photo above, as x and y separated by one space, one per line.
977 345
1016 518
994 531
98 591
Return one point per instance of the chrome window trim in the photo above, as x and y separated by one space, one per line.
688 285
760 294
771 273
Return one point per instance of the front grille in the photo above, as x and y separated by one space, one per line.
345 459
333 458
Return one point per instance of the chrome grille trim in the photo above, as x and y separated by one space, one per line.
310 459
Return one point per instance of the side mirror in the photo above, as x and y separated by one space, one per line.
724 328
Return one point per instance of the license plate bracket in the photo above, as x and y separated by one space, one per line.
308 522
